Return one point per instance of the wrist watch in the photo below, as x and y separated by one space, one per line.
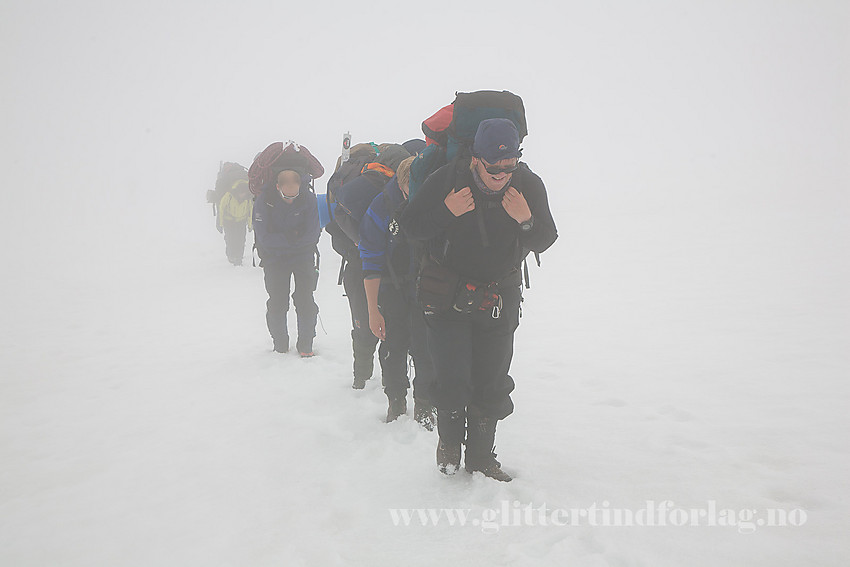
526 226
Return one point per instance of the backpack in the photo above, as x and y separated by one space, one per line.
277 157
229 172
359 156
451 130
436 126
354 198
347 202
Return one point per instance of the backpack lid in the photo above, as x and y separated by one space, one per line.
414 146
279 156
391 155
364 150
471 108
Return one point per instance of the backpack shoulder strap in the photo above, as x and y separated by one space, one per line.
439 246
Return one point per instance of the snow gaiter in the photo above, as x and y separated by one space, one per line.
450 427
480 440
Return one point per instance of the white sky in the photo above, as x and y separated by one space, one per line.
116 114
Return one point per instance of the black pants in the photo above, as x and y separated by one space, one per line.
234 240
423 366
400 312
472 356
278 277
362 340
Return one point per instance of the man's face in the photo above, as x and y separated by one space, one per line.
289 184
499 173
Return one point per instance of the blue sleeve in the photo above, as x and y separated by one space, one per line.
373 236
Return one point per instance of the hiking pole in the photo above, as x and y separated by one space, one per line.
346 147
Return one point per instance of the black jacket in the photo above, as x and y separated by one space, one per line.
485 244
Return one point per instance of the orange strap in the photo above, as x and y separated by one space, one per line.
375 166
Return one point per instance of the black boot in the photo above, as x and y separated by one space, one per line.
450 426
480 446
424 413
396 408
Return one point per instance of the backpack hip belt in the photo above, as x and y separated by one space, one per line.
474 296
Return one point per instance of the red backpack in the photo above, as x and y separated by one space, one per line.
436 126
277 155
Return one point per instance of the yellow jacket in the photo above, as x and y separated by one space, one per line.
231 209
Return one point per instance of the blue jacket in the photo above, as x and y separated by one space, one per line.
379 247
285 230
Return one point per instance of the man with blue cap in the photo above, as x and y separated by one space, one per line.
479 217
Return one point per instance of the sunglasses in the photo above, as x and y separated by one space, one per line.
495 169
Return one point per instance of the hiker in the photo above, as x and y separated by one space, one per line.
385 257
286 224
353 199
234 218
479 215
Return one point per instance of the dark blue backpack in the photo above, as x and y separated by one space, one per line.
360 155
354 198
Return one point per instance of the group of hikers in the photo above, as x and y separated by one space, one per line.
433 236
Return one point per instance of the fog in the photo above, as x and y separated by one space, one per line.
696 157
105 102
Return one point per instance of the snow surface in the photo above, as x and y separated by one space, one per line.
685 340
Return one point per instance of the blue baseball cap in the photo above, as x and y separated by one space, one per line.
495 140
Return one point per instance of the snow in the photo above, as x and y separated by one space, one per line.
685 339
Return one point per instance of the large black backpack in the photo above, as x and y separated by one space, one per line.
360 156
451 130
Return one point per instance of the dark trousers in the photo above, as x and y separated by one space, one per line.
362 340
423 366
278 277
234 240
472 356
400 313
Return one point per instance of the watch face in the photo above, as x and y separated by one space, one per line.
526 226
